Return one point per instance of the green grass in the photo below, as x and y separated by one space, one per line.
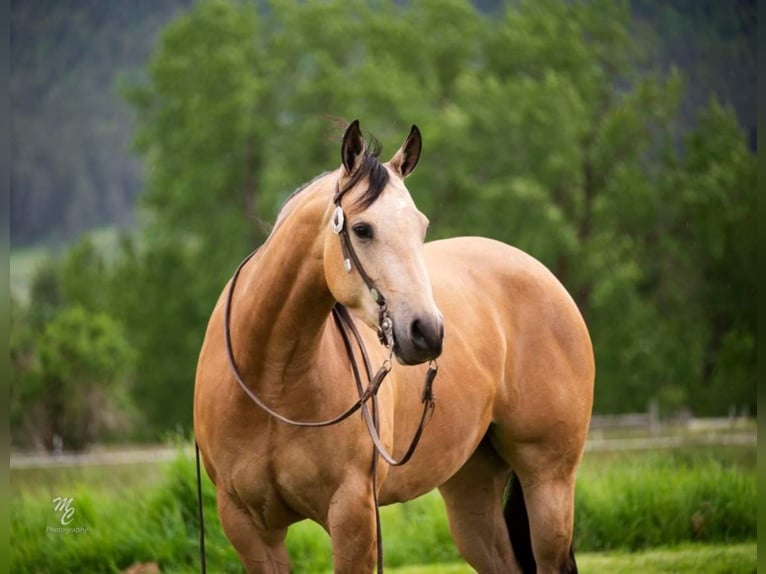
647 500
688 558
700 502
694 559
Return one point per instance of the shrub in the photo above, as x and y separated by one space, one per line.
659 500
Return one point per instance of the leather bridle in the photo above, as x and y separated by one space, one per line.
339 227
368 393
385 335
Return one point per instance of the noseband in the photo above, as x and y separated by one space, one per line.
366 394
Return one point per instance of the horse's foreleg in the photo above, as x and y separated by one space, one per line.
351 523
474 500
261 552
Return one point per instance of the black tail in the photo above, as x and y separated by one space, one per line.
517 521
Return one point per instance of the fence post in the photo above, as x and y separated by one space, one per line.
654 417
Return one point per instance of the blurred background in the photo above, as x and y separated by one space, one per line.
153 142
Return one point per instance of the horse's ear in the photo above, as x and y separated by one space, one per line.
353 146
406 158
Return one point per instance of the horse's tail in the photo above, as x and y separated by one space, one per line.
517 521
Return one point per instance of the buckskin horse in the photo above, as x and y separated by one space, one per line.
514 386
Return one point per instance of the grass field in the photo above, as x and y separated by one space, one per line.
691 559
681 510
697 558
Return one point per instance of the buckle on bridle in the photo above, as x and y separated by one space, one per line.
337 224
338 218
386 331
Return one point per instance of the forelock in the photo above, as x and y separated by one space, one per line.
371 168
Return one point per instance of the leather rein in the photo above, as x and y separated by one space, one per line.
367 394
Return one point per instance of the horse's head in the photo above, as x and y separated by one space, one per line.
373 252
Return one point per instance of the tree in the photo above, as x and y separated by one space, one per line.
564 120
71 363
706 278
198 116
74 390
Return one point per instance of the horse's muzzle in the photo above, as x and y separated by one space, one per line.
421 341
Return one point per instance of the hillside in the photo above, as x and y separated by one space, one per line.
71 166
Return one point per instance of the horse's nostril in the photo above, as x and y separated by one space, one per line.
416 333
427 336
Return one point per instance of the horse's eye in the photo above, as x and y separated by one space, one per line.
363 230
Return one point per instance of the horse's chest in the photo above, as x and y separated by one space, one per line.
280 486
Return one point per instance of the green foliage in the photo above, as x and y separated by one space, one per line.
75 389
162 297
71 361
695 272
45 295
80 346
67 56
81 276
197 116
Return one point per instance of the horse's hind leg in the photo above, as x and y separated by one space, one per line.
261 552
550 510
474 501
544 515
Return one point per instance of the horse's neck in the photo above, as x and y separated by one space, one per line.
282 302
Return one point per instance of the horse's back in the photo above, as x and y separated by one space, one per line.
480 275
